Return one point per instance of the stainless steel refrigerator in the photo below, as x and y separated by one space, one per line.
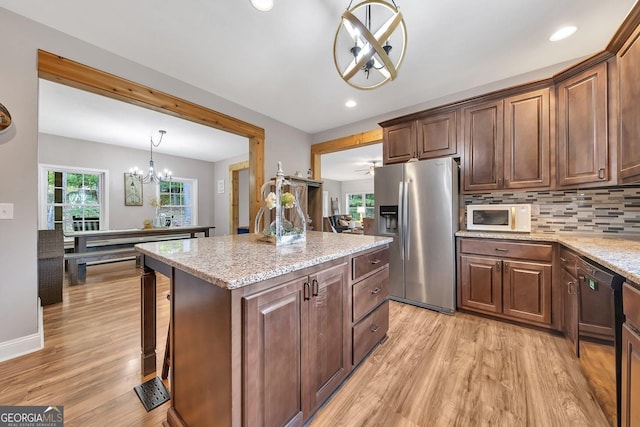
417 204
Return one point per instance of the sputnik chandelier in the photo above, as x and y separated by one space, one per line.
370 44
151 176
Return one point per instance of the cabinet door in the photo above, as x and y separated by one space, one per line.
437 135
483 140
629 69
329 338
582 128
570 298
399 144
526 140
527 291
481 283
273 360
630 378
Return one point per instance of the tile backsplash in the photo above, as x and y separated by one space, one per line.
598 210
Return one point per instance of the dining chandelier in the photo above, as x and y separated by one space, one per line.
151 176
370 44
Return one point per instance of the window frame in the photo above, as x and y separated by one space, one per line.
43 170
194 197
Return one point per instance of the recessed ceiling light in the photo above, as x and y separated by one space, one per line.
350 103
262 5
563 33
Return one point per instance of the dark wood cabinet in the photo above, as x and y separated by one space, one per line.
299 341
483 145
437 135
274 382
527 291
399 144
629 114
583 155
630 396
329 338
370 305
527 140
506 278
507 143
425 136
570 289
480 283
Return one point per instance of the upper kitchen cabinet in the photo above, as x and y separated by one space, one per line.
507 143
629 137
583 155
399 143
483 142
429 135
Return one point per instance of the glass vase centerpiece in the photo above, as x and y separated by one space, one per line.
280 219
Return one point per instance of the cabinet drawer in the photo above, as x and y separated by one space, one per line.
631 303
505 249
568 260
369 331
369 293
366 263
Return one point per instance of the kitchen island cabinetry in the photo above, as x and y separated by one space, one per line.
507 279
630 409
299 347
263 342
507 143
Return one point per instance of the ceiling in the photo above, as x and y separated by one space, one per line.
280 63
351 165
83 115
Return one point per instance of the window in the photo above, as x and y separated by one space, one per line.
358 200
74 199
178 201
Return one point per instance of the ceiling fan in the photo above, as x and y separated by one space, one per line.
371 170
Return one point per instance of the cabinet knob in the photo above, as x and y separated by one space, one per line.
306 291
502 250
374 261
374 328
315 288
498 265
601 173
375 291
506 267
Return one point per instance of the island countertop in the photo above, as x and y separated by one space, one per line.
234 261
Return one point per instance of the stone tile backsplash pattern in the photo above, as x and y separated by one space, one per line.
599 210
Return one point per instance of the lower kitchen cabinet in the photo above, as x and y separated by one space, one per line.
298 345
504 278
630 408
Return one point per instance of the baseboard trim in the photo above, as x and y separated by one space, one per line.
24 345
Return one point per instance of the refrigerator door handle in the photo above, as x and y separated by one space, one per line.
401 217
405 220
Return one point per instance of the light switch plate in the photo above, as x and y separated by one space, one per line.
6 210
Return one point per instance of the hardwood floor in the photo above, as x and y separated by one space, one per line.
433 370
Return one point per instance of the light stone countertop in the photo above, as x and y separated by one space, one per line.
620 254
239 260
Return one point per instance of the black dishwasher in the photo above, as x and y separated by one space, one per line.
600 334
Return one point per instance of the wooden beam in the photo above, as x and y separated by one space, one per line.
65 71
345 143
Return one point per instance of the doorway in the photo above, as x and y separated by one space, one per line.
238 189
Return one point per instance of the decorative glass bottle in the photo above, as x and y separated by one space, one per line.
281 214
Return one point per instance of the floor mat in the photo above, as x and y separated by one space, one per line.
152 393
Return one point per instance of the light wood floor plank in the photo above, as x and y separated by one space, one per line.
433 370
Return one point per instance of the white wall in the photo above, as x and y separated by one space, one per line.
62 151
19 330
334 188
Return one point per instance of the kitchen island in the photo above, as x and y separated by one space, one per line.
262 335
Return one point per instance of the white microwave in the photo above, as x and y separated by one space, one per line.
504 217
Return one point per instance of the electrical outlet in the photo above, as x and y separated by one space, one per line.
6 210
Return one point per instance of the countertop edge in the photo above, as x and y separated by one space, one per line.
264 275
